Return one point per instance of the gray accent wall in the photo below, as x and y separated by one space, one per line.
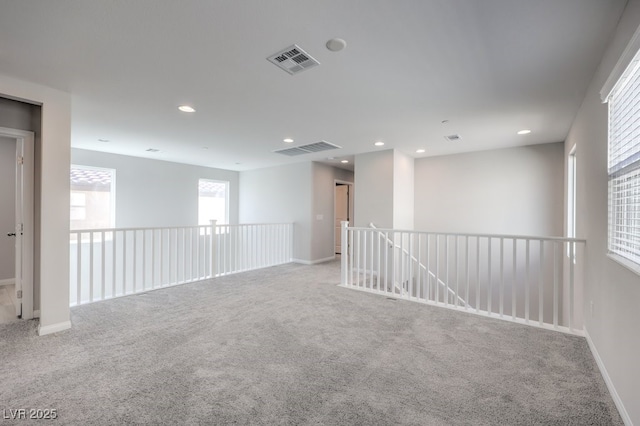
506 191
154 193
612 324
7 207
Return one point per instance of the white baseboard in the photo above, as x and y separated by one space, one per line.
8 281
314 262
53 328
605 375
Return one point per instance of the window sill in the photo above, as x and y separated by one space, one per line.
634 267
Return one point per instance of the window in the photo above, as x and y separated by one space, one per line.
92 197
213 201
624 165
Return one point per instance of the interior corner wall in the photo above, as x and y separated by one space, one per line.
373 202
8 207
281 194
612 327
516 191
323 210
155 193
51 260
403 191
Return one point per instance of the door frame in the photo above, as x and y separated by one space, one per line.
24 219
337 182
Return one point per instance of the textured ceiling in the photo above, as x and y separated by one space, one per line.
490 67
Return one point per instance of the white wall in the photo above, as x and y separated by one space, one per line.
614 289
7 207
374 189
280 195
153 193
52 189
323 226
506 191
403 191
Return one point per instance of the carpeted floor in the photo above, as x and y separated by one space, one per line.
285 345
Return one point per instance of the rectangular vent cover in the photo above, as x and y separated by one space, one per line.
307 149
452 138
293 59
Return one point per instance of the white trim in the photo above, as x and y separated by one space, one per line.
605 375
623 62
629 264
36 313
313 262
53 328
8 281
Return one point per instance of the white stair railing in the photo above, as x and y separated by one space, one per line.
115 262
525 279
421 268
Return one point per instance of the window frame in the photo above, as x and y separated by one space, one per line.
112 192
227 185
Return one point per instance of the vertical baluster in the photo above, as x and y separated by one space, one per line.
364 258
90 266
437 278
412 267
501 277
526 284
446 274
124 262
555 283
428 296
386 262
489 275
144 259
393 261
571 279
478 274
456 265
371 263
514 285
135 259
79 268
114 263
358 254
468 248
419 268
402 264
153 258
379 257
351 259
103 273
541 284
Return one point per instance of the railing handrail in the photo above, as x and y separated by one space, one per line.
75 231
458 234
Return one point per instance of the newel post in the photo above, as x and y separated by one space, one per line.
344 244
213 243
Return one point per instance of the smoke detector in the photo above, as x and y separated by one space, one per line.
293 59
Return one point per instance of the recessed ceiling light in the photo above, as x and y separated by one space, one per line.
420 151
336 44
103 140
379 143
524 132
186 108
287 140
344 161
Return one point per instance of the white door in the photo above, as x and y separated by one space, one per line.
341 212
24 220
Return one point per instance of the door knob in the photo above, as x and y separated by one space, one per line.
13 234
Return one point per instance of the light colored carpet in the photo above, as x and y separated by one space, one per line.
284 345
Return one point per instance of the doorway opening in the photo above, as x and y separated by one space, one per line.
343 210
17 224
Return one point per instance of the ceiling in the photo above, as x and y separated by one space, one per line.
489 67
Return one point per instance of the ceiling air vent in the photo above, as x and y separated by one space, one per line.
293 59
308 149
453 138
